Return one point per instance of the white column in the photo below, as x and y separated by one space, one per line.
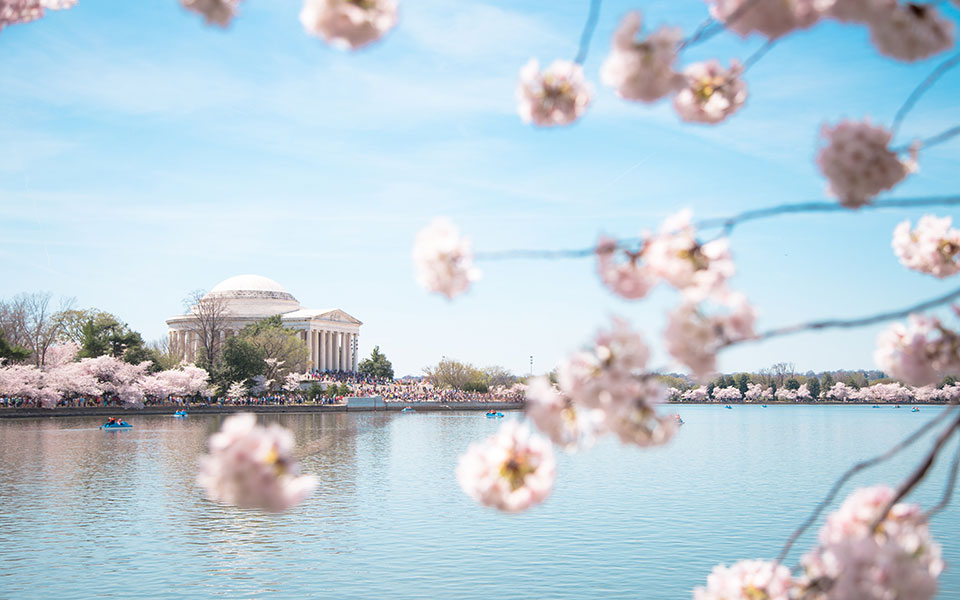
315 355
331 351
356 351
342 356
323 349
350 339
308 339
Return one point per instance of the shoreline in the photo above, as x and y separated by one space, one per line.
168 409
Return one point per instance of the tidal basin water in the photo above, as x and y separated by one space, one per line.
87 513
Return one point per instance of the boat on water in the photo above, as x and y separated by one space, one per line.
914 409
678 419
116 424
763 406
180 413
494 414
407 409
728 406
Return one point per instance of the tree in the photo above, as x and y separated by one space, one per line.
28 322
240 361
376 366
210 314
813 384
104 334
281 349
451 373
947 381
792 384
72 322
826 382
15 353
742 383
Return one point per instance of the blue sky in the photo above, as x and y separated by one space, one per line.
144 155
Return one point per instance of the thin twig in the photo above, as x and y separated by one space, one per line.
712 27
850 323
948 488
698 33
933 140
915 95
758 54
860 466
918 474
587 33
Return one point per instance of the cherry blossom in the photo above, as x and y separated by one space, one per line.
698 270
251 466
511 471
349 24
698 394
908 352
785 395
933 247
237 389
13 12
896 559
772 19
215 12
860 11
710 93
747 580
642 70
727 394
694 338
59 355
839 391
444 259
558 95
630 278
911 31
858 163
755 392
291 383
566 424
803 393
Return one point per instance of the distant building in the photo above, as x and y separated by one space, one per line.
330 334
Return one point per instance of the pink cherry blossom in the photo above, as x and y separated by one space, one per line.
755 392
747 580
911 31
59 355
13 12
642 70
710 93
567 425
349 24
920 352
698 270
251 466
858 163
933 247
897 559
771 18
629 277
511 471
785 395
698 394
559 95
215 12
693 337
444 259
839 391
860 11
727 394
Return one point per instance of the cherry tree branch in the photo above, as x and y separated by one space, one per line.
948 488
925 85
933 140
712 27
758 54
860 466
587 34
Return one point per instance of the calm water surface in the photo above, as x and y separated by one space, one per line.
87 513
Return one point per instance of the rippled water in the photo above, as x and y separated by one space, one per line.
87 513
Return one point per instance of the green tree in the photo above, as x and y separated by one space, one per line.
792 384
376 366
240 361
9 352
948 380
104 334
280 348
826 382
451 373
315 391
742 380
813 384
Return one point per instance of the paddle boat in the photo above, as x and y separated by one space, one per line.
407 409
492 414
678 419
763 406
914 409
116 424
728 406
180 413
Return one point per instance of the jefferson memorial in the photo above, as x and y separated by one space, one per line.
330 334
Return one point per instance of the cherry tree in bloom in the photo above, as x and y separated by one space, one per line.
610 378
642 70
291 383
117 378
896 559
259 385
558 95
237 389
698 270
755 392
727 394
629 278
911 31
693 337
803 393
349 24
858 163
28 382
567 425
59 355
933 247
443 259
772 19
697 394
215 12
251 466
785 395
511 471
909 353
747 580
839 391
13 12
710 93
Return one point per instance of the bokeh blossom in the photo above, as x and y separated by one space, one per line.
693 337
698 270
747 580
772 18
567 425
558 95
642 70
349 24
920 352
251 466
13 12
443 259
933 247
629 277
911 31
896 559
858 163
215 12
512 470
710 93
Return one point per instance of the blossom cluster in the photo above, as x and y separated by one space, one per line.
251 466
349 24
919 352
933 247
887 393
694 336
558 95
214 12
443 259
13 12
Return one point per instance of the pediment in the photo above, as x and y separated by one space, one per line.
340 316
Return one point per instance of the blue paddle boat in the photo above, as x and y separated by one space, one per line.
116 424
180 414
494 414
728 406
407 409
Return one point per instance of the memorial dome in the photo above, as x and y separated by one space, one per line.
254 295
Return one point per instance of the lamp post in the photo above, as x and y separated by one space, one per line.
531 365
